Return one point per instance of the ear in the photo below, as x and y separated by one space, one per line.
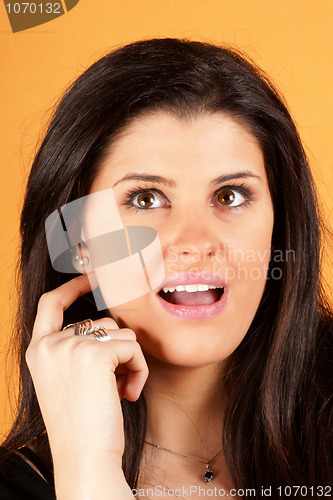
81 259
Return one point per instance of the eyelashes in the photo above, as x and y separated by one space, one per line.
144 197
230 197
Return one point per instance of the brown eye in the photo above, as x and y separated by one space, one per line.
145 200
226 197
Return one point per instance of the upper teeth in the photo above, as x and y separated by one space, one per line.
190 288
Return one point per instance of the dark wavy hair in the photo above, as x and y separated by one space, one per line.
277 429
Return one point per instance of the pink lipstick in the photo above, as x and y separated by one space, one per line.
193 296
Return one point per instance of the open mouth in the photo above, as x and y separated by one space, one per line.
192 295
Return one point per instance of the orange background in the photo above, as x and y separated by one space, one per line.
291 39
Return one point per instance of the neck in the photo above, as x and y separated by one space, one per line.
185 408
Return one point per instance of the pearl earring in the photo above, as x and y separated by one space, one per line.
82 260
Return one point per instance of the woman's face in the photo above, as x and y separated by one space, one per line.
210 204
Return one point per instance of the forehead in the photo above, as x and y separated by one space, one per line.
166 144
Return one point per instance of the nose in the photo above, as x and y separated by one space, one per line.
194 236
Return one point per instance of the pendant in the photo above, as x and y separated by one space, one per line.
208 475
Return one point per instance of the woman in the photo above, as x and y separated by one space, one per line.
193 141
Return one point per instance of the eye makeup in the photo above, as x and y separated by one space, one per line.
244 190
235 190
131 194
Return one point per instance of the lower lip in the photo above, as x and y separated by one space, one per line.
195 313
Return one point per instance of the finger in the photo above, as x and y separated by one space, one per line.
108 323
121 383
129 354
51 305
119 334
134 384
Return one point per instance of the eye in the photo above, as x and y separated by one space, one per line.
145 199
228 197
233 197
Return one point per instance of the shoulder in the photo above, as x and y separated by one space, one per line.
21 476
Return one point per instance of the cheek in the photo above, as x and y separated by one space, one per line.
247 266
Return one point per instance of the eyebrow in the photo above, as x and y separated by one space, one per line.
238 175
168 182
146 177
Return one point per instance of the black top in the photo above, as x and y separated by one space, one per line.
19 481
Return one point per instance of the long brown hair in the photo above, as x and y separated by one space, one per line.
278 425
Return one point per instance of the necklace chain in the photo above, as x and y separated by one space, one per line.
185 456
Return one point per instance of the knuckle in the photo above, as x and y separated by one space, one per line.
138 346
41 348
108 323
46 298
84 352
37 351
137 350
43 299
129 333
29 355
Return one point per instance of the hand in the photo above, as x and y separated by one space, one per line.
79 381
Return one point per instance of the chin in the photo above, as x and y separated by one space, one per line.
182 343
